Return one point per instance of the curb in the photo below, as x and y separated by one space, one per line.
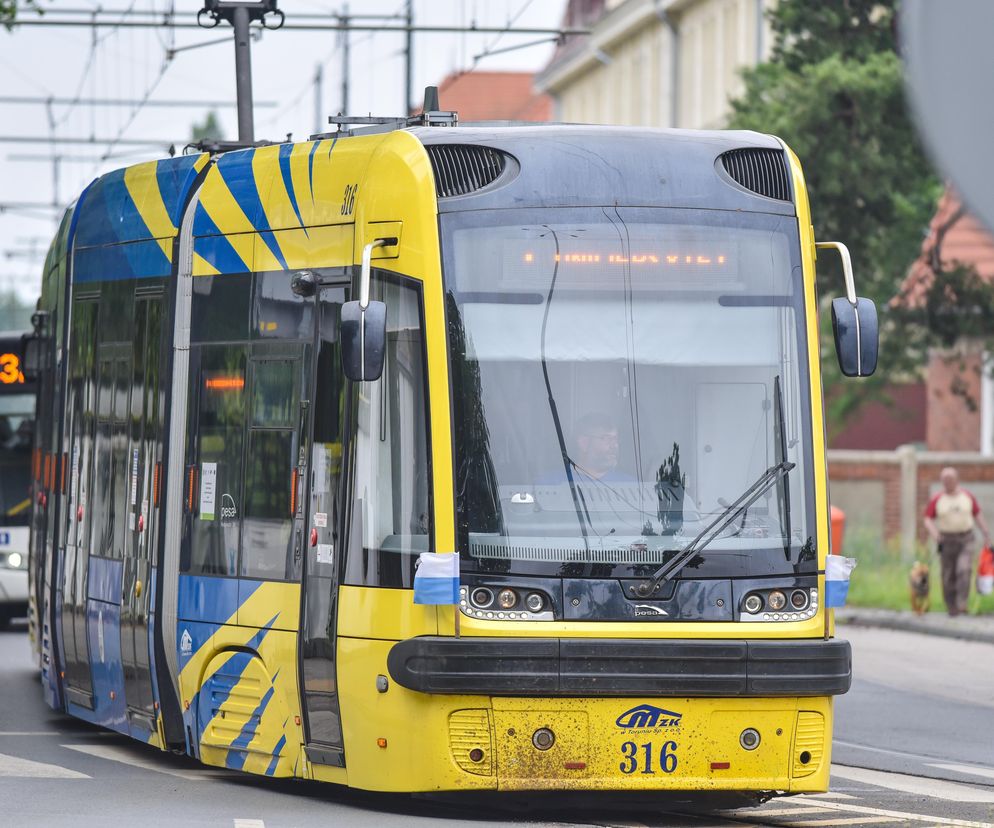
967 630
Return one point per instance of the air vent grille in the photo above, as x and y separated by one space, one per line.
763 171
461 169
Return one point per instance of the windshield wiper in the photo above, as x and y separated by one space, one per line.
766 481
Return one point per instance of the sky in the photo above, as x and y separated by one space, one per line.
128 63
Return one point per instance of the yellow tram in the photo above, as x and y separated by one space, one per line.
583 358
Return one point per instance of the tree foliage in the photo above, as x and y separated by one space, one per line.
834 91
10 8
208 129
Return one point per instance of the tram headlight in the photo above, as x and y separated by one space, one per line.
507 599
799 599
753 603
777 600
482 597
14 560
749 738
534 601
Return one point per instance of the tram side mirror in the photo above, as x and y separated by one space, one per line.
856 336
364 337
31 356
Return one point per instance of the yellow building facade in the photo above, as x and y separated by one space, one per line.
659 63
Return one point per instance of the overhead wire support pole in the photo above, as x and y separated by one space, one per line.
240 14
409 58
344 19
243 74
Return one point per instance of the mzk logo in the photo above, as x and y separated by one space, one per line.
647 717
186 643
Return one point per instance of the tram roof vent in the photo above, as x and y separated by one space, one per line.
763 171
461 169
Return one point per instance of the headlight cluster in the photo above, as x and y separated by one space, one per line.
788 604
505 603
13 560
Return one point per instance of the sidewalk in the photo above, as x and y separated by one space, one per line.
968 627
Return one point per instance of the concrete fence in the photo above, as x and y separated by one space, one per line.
884 493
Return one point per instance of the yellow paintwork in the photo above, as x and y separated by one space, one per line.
808 254
143 187
274 607
392 182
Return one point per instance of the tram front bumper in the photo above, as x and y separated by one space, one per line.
527 714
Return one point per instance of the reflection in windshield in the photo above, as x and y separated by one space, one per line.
16 429
615 382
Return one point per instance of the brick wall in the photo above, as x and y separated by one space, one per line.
884 493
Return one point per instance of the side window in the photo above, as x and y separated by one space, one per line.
270 473
213 486
390 520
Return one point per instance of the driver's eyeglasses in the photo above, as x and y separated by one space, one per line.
608 437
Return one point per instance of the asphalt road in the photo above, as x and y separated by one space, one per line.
914 746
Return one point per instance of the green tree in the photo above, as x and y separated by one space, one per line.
834 91
207 130
10 8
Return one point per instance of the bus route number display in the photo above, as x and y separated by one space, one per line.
10 370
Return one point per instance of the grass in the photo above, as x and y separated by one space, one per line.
880 579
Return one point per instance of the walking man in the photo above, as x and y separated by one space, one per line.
950 519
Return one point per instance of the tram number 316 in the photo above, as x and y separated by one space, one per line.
646 756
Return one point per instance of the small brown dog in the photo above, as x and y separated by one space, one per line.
919 587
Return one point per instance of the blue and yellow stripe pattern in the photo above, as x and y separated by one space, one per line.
127 220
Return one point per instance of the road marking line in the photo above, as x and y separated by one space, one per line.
934 821
249 823
29 733
15 766
923 785
820 796
132 758
860 820
813 810
919 756
971 769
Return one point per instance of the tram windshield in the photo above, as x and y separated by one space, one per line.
620 377
16 424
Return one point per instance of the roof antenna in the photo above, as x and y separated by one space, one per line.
431 99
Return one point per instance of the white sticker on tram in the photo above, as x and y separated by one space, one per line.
208 486
321 519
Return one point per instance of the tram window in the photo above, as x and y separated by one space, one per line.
218 435
274 403
221 307
391 515
267 521
277 312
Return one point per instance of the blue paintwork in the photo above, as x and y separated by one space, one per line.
117 263
209 598
103 580
285 151
217 687
218 251
103 624
108 214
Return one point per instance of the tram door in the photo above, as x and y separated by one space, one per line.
81 424
324 530
143 474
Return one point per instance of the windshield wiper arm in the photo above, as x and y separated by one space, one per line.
766 481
